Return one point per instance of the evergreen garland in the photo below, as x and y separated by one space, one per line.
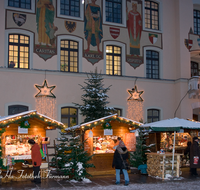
107 126
71 158
31 116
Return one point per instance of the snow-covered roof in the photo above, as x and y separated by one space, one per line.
27 113
103 118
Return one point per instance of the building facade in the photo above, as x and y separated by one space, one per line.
148 50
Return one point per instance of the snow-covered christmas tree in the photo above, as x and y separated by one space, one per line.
72 160
95 98
139 157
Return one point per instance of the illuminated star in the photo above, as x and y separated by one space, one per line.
44 90
135 95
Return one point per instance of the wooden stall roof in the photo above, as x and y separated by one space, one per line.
103 120
33 114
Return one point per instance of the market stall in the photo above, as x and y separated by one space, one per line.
174 135
101 135
16 131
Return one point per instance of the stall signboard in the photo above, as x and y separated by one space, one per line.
88 145
22 130
130 141
108 132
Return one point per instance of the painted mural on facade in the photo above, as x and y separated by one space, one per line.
45 45
93 31
134 26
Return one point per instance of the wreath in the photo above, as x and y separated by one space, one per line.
107 126
24 124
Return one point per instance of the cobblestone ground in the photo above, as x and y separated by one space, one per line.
137 182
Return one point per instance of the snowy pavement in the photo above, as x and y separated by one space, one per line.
137 182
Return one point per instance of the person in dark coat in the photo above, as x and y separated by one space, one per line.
36 160
121 152
194 156
187 150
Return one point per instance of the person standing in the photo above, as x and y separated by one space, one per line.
36 160
120 155
194 156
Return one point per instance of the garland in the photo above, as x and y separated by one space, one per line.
107 126
109 120
25 124
26 117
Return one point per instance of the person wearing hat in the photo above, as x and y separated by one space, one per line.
194 157
36 160
120 156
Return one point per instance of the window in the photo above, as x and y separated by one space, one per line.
153 115
18 51
151 15
24 4
196 22
194 69
70 8
114 11
69 116
113 60
69 56
152 64
15 109
118 111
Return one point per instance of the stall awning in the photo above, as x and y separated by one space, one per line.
174 124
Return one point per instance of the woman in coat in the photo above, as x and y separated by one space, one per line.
194 156
36 160
121 152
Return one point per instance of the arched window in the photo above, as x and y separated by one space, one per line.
69 116
18 51
152 64
69 56
113 60
196 22
15 109
151 15
194 69
153 115
118 111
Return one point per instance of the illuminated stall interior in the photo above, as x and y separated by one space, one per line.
101 135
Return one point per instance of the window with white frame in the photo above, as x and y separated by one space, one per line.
196 21
18 51
151 15
68 56
21 5
152 64
69 116
114 12
72 9
113 60
117 111
153 115
15 109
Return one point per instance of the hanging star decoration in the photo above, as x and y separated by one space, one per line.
44 90
135 95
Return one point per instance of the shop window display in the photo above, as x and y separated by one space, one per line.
181 140
17 146
104 144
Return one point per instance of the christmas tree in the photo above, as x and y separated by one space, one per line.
72 160
139 157
95 98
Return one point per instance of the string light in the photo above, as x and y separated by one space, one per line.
135 110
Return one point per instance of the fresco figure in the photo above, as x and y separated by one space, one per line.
44 19
134 24
93 25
